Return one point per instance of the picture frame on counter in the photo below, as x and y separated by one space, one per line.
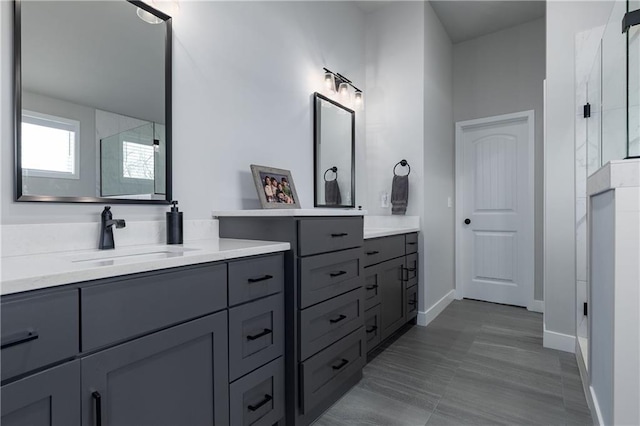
275 187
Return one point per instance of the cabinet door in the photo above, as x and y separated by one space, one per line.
51 398
392 298
173 377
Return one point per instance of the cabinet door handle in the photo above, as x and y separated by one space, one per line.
372 329
259 335
371 253
97 399
257 280
337 274
342 364
266 399
371 287
339 234
412 243
18 338
411 269
340 318
412 302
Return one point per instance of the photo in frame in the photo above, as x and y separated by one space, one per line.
275 188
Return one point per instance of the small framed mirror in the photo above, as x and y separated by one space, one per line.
334 153
92 102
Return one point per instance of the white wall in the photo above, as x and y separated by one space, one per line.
563 21
501 73
439 179
244 75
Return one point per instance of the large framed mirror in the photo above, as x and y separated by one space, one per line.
334 153
92 102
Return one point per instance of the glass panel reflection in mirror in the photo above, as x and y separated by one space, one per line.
93 77
334 154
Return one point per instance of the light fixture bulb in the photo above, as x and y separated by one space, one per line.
358 98
148 17
343 90
330 82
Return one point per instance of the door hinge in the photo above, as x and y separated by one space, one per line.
630 19
586 110
585 311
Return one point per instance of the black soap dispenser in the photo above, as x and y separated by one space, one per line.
174 225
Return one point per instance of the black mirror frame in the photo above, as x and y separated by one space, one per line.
317 97
17 76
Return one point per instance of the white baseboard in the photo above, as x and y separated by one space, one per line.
584 377
559 341
424 318
536 306
597 419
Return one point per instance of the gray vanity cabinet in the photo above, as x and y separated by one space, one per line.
391 285
176 376
48 398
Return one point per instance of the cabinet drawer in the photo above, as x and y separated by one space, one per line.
323 374
378 250
412 302
372 327
133 306
323 235
37 331
327 322
254 278
371 287
411 243
258 398
411 272
256 334
328 275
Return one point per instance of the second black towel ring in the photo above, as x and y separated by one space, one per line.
333 169
402 163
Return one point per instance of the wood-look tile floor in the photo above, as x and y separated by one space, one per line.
477 363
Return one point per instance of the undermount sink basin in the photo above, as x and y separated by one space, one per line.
124 255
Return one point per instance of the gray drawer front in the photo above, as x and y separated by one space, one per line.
258 398
372 327
256 334
325 323
412 302
322 374
328 275
411 243
411 273
116 311
38 331
255 278
329 234
380 249
371 288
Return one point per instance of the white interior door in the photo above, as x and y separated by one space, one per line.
494 209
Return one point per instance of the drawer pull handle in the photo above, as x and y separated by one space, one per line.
19 338
372 329
371 287
371 253
257 280
266 399
259 335
411 269
337 274
342 364
412 243
412 302
97 399
340 318
340 234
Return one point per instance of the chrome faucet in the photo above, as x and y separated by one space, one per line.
106 229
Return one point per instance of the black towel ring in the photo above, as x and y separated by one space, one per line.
333 169
402 163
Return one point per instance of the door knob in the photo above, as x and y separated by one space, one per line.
467 221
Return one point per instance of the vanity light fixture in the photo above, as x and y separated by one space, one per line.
336 82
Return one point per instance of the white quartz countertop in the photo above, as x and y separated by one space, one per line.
33 272
288 212
385 232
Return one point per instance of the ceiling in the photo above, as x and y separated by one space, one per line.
465 20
